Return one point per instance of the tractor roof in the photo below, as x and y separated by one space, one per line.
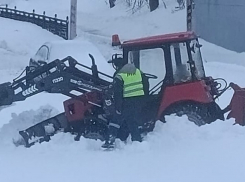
160 39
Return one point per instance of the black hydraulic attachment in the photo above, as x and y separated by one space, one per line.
60 76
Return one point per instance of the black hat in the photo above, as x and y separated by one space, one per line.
117 62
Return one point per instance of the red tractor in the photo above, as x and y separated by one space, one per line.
182 87
178 85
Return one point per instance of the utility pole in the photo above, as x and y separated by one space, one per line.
189 5
73 19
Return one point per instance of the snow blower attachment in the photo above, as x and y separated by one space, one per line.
180 87
237 105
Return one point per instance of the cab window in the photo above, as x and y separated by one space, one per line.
181 67
150 61
197 58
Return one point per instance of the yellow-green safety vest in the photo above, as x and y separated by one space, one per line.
132 84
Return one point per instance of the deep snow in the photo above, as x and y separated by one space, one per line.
177 151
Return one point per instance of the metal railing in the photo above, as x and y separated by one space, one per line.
56 26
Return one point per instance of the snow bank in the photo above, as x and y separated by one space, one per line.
175 151
19 41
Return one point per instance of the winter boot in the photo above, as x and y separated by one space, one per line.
111 137
110 143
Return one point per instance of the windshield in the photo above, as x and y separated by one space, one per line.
151 61
180 62
197 58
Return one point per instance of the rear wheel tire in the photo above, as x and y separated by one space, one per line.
196 113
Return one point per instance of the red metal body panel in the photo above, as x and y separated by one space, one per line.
195 91
160 39
76 108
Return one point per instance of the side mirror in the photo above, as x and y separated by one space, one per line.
198 45
116 60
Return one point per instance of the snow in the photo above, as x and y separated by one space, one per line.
177 151
80 51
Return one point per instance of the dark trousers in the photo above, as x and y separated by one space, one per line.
128 120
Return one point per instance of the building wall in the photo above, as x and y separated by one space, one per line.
221 22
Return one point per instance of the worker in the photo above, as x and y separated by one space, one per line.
129 87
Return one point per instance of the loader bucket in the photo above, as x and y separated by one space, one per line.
42 131
237 105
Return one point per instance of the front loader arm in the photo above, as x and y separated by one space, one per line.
59 76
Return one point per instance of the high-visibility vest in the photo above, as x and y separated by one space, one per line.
132 84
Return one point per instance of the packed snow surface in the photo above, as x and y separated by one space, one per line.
177 151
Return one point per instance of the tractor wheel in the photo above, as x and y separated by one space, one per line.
196 113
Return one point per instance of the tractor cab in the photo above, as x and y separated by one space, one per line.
169 59
173 64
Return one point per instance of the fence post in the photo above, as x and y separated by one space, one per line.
67 28
14 16
44 24
6 15
55 27
32 19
